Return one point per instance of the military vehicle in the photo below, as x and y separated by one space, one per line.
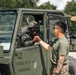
30 60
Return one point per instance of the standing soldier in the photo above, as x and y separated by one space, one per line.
60 49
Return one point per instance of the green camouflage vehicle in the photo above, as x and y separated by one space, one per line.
30 60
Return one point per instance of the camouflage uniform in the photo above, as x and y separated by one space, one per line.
64 70
60 46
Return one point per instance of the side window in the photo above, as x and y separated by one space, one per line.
25 20
52 18
72 26
31 25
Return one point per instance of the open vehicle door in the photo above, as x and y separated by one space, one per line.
30 60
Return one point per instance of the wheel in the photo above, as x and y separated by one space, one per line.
72 66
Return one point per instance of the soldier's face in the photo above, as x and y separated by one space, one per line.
56 30
34 31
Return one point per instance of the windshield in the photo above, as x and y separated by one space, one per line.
7 22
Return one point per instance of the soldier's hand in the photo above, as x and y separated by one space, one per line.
36 39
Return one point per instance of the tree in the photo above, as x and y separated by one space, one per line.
7 4
71 9
47 5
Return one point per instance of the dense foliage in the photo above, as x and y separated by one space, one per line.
7 4
47 5
71 10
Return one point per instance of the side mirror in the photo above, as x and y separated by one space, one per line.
1 51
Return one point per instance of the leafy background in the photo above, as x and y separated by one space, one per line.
70 8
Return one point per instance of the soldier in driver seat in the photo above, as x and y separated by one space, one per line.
26 39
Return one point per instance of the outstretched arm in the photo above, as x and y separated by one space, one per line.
42 43
45 45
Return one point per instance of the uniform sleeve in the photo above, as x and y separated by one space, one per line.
62 48
53 42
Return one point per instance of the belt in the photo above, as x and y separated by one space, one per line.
56 64
65 64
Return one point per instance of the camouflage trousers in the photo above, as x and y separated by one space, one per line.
64 70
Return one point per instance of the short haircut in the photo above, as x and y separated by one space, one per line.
62 25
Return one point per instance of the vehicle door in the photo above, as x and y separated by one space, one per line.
30 60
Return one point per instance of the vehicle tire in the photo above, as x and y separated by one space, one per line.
72 66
